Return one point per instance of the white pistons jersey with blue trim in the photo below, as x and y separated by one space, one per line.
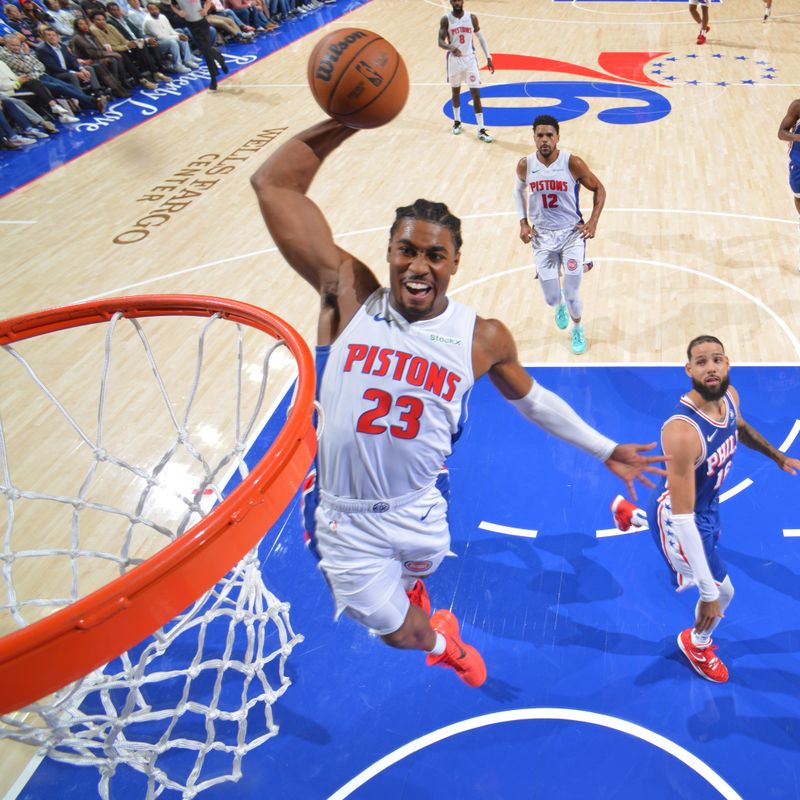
461 32
552 194
394 399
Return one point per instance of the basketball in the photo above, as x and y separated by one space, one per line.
358 78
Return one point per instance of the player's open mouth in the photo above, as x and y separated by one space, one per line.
417 288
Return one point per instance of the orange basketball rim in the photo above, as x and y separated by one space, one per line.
63 647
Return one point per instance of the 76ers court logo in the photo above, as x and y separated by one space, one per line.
624 80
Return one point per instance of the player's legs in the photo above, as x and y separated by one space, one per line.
364 557
767 9
696 646
700 17
573 255
548 265
456 75
456 90
572 284
483 134
725 596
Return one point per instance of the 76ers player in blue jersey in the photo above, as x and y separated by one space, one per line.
701 437
394 370
789 131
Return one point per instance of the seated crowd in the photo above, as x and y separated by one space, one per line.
66 57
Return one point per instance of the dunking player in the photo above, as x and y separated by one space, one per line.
394 368
455 36
550 180
789 131
702 21
701 436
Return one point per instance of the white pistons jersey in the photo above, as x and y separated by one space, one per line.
461 31
553 194
394 399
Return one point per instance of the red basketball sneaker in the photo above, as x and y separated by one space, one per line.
418 595
703 660
700 38
627 514
465 660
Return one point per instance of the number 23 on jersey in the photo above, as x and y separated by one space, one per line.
373 421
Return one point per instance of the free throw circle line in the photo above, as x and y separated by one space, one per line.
519 714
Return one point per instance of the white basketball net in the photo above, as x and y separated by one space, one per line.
203 685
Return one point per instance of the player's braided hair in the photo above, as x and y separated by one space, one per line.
427 211
702 340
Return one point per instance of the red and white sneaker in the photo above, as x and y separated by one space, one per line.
461 657
701 39
627 514
418 596
703 659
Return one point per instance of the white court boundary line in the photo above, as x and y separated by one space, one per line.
566 714
793 434
639 18
508 530
678 268
484 215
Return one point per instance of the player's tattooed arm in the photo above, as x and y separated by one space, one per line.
751 438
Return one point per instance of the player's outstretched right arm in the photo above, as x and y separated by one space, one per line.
494 351
302 233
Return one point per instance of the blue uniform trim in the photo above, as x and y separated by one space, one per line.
719 440
310 497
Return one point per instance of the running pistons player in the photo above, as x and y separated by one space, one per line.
550 180
701 437
789 131
455 35
394 369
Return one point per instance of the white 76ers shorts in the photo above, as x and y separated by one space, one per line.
552 248
463 70
372 550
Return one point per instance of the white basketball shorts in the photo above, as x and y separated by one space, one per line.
552 248
371 550
463 71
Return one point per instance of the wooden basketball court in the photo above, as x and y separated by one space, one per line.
699 234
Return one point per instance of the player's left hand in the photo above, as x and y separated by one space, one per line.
586 229
490 65
791 465
628 463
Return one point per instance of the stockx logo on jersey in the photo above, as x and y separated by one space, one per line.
624 79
